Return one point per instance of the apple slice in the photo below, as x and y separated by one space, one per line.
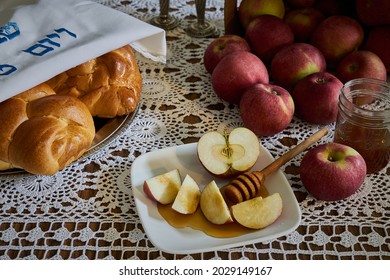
258 212
187 199
230 154
213 205
163 188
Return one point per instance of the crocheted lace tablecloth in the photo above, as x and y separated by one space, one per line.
87 211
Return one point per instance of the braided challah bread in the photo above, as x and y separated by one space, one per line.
42 132
110 85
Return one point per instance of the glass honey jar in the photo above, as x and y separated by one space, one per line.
363 121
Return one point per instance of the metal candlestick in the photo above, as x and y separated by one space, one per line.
201 28
164 20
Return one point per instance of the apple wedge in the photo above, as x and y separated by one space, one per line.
187 199
163 188
213 205
229 154
258 212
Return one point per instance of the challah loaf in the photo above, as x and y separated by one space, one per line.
110 85
42 132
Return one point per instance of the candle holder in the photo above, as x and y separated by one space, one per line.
164 20
201 28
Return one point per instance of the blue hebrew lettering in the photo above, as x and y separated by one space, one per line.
60 30
9 32
6 69
53 35
50 42
42 47
39 49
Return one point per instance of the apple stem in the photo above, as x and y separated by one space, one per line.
321 80
227 151
275 165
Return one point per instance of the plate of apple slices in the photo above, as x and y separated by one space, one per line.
181 164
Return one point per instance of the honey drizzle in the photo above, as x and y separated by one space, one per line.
198 221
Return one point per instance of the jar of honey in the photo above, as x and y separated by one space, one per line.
363 121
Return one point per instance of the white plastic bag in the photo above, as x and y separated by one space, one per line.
42 38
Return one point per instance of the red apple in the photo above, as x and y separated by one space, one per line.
163 188
213 205
373 12
222 46
332 171
361 64
294 62
266 109
316 98
228 154
188 197
303 22
336 36
236 72
249 9
378 41
258 212
267 34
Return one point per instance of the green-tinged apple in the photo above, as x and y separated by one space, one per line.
378 41
316 98
361 64
188 197
373 13
236 72
301 3
337 36
294 62
332 171
229 154
213 205
163 188
249 9
266 109
258 212
267 34
303 22
221 46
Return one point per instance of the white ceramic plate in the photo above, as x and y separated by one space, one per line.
187 240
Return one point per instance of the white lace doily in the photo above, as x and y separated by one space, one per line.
87 210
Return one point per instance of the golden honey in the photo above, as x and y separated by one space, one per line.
198 221
363 122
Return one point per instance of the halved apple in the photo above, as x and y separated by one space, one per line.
229 154
258 212
213 205
187 199
163 188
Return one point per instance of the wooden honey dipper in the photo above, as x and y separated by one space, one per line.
246 185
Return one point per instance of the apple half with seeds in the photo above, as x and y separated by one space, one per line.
187 199
213 205
163 188
228 154
258 212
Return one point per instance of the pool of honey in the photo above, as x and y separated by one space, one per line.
198 221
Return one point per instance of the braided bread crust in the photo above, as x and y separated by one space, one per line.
110 85
42 132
